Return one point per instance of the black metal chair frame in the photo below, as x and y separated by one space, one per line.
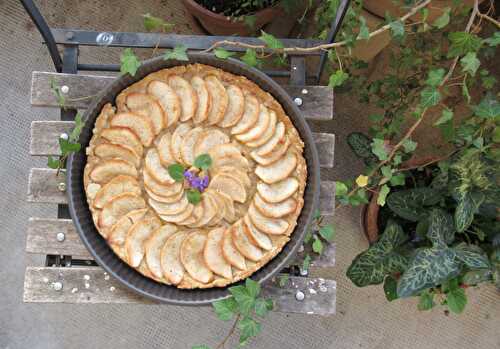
71 39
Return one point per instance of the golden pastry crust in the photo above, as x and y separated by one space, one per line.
196 219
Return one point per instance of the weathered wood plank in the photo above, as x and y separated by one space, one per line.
317 101
44 187
43 239
55 236
325 260
93 285
45 140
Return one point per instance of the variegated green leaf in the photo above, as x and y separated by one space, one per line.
441 228
370 267
429 268
466 209
409 204
472 256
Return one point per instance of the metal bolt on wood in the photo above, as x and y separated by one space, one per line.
64 89
304 91
60 237
104 39
61 186
298 101
64 136
300 296
58 286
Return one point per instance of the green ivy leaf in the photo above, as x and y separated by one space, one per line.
465 91
203 161
446 115
193 196
202 346
410 203
283 280
68 147
470 63
129 63
398 179
488 82
386 171
176 171
358 198
426 300
494 40
463 43
496 135
429 97
383 194
154 23
250 58
443 20
53 163
340 189
327 232
441 228
75 133
456 300
270 40
488 108
222 53
306 263
253 287
474 277
308 237
225 308
397 28
250 21
472 256
364 32
435 77
466 209
338 78
371 266
245 301
317 214
179 53
429 268
409 145
317 245
378 148
248 328
262 306
390 288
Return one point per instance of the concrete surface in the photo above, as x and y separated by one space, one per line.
364 319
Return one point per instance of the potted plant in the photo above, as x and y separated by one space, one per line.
236 17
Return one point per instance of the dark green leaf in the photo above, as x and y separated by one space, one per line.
465 91
496 135
426 301
409 203
446 115
317 214
450 285
429 268
456 300
225 308
308 237
327 232
447 131
475 277
283 280
203 161
488 82
306 263
179 53
443 20
378 148
68 147
435 77
470 63
176 171
222 53
364 32
250 58
154 23
494 40
466 209
245 301
382 194
397 28
253 287
429 97
409 145
338 78
358 198
371 266
262 306
488 108
193 196
360 144
472 256
441 228
390 288
270 40
75 133
317 245
398 179
386 171
340 189
129 63
462 43
53 163
248 328
250 21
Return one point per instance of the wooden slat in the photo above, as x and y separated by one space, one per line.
42 239
45 140
317 102
93 285
43 188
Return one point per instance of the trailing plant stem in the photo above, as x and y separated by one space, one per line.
231 331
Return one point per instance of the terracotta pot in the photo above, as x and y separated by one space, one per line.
217 24
366 50
379 7
369 213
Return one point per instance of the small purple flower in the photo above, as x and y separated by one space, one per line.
204 182
188 174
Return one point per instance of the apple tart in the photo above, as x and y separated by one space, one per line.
195 177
